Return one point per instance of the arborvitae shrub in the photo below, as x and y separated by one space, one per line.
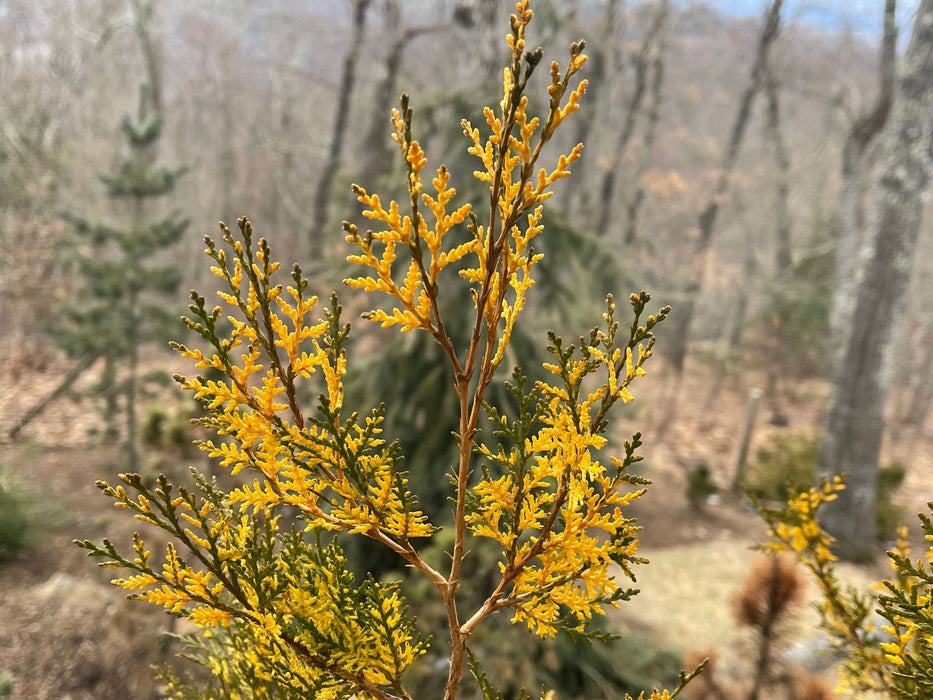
890 659
282 613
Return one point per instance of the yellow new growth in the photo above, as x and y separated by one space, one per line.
501 250
876 656
281 606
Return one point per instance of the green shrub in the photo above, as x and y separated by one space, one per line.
786 465
25 511
14 522
700 486
152 430
889 515
6 685
172 431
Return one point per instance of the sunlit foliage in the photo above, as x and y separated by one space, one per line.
886 635
281 614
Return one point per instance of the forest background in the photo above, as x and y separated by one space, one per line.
274 108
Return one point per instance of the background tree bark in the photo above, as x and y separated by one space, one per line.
656 97
855 418
784 257
321 205
855 159
641 62
377 146
605 66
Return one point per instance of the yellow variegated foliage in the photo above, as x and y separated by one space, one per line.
500 248
567 568
886 658
255 408
281 614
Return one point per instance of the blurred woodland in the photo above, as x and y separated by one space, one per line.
728 163
738 168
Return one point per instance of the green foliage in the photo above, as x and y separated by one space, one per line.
626 663
608 662
171 430
889 515
124 280
27 511
152 429
786 465
18 520
700 486
6 685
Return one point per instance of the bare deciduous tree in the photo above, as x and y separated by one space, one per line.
642 61
686 309
784 248
377 149
321 207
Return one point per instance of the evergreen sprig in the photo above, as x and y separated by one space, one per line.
281 613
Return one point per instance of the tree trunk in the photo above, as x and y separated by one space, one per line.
851 199
751 412
321 205
749 272
685 311
377 158
855 418
655 95
784 256
641 61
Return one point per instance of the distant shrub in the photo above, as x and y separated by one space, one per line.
152 430
14 522
889 515
700 486
25 514
6 685
171 431
786 465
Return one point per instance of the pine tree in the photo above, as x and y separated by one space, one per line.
124 279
